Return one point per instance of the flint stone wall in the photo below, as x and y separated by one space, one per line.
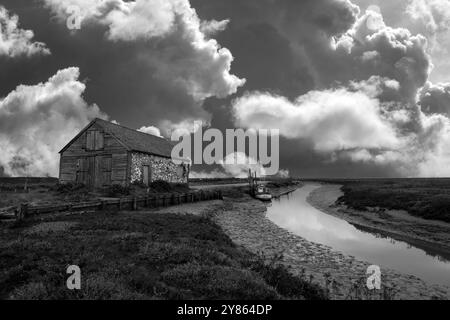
161 169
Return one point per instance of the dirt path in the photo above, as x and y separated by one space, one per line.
398 224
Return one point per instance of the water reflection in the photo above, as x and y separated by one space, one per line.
294 213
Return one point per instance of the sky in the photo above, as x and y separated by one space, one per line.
357 88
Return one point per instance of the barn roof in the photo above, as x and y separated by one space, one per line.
133 140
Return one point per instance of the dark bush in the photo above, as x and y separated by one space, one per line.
161 186
70 187
117 191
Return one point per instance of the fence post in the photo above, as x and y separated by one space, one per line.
23 211
120 203
103 205
134 203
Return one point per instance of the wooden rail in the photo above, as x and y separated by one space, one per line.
129 203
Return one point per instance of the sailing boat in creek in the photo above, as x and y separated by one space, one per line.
258 191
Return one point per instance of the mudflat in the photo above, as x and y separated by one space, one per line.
397 224
245 222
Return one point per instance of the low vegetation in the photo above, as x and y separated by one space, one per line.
43 191
139 255
425 198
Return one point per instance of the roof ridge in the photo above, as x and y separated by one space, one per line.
135 130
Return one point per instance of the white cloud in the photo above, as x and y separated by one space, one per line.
214 174
182 128
37 121
355 126
184 55
238 164
151 130
371 47
435 98
435 14
332 119
15 41
283 173
432 18
235 165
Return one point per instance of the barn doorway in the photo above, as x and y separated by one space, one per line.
95 171
146 175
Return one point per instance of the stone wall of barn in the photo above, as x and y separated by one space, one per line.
161 169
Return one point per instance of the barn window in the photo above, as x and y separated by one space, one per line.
94 140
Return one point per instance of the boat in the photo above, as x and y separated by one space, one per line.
262 193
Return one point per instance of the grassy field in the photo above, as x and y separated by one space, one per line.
42 191
425 198
139 255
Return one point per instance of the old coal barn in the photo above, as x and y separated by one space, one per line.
105 154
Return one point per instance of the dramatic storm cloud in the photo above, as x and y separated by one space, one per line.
37 121
15 41
181 52
357 88
372 116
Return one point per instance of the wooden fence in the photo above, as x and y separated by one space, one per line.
129 203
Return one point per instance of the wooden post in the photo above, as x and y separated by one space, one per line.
120 203
135 206
23 211
103 205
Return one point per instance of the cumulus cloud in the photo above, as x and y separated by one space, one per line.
179 51
433 147
182 128
353 124
151 130
214 174
283 173
366 111
37 121
432 18
333 119
372 48
435 98
235 165
435 14
15 41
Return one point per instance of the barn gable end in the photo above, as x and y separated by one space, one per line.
104 154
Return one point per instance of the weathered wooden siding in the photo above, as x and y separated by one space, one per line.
113 152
